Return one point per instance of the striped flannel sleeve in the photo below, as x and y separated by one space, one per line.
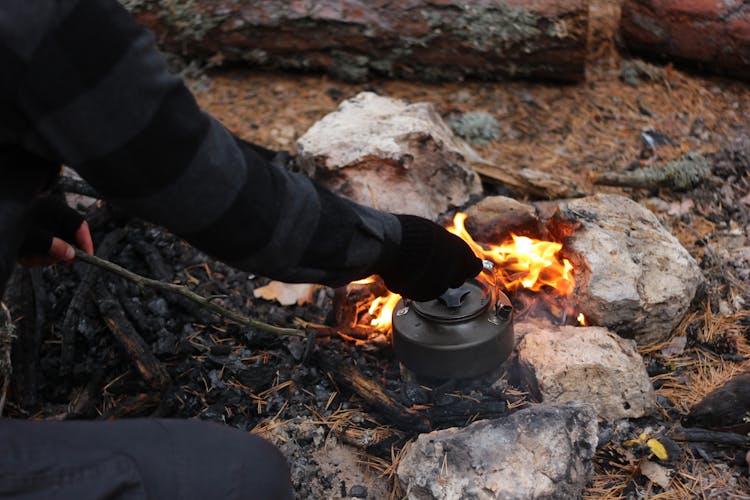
90 89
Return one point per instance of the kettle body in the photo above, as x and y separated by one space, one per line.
465 333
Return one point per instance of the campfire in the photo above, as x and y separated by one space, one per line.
530 271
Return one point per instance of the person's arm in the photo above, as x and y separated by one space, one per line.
89 89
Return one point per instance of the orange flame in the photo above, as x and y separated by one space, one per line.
520 262
382 309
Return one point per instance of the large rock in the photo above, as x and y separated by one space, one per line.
390 155
633 276
543 451
586 364
355 39
713 34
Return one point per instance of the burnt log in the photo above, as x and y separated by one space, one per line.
355 40
714 36
697 435
25 297
150 368
81 298
346 375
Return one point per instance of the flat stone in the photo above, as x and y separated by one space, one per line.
586 364
391 155
543 451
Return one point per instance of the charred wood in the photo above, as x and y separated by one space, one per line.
138 405
82 296
354 41
84 402
346 375
160 271
464 411
152 371
143 322
6 341
27 300
185 292
697 435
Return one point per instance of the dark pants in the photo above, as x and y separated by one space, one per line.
135 459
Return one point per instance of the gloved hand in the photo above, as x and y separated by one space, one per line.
51 228
428 261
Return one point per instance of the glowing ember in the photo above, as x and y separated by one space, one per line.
581 319
520 262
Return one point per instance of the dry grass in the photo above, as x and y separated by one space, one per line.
696 372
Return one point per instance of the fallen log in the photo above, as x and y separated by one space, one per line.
354 40
714 36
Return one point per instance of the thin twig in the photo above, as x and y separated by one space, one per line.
142 281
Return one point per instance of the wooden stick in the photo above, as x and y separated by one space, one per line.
142 281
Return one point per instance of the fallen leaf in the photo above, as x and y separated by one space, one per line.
286 294
657 449
676 346
656 473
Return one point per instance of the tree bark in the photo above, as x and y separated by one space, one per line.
355 39
711 35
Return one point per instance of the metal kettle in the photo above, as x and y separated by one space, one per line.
465 333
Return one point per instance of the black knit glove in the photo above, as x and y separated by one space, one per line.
46 218
22 176
428 261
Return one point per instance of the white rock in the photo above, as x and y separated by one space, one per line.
543 451
587 364
390 155
634 276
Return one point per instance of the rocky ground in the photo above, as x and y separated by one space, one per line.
627 115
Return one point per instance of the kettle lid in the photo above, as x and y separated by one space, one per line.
457 304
